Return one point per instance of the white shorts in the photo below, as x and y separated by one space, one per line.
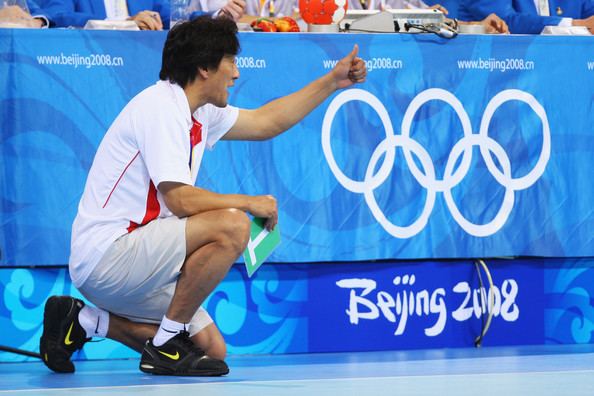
137 275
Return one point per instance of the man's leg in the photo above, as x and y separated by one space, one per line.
61 338
131 334
214 240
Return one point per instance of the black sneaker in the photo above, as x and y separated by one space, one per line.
62 333
179 356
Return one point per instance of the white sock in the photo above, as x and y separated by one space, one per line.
95 321
167 330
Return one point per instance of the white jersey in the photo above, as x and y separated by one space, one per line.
154 139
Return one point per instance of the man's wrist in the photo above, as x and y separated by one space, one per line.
332 80
41 21
245 202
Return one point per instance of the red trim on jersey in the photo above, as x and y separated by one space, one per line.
120 178
153 208
195 137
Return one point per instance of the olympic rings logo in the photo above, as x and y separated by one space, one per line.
427 179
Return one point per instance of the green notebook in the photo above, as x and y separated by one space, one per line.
261 244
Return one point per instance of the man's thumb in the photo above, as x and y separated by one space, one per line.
353 53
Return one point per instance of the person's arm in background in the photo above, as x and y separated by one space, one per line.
41 18
76 13
33 19
147 20
163 7
450 5
421 4
149 14
523 19
234 9
586 17
588 23
65 13
492 24
587 8
524 23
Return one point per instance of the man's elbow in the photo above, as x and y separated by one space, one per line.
270 130
174 199
176 206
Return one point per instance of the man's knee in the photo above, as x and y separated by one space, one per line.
236 225
227 227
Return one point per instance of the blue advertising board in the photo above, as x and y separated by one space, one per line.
389 305
479 146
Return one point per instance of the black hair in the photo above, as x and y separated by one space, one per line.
197 44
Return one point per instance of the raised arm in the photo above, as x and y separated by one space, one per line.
281 114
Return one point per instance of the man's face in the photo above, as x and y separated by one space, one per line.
221 79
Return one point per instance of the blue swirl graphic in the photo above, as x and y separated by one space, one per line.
263 314
569 291
24 292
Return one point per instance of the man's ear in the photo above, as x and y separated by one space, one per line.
203 73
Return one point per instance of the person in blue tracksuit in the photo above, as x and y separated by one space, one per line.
148 14
524 16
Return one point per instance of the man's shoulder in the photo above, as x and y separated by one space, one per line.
152 108
159 90
155 98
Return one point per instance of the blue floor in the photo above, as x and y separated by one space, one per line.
536 370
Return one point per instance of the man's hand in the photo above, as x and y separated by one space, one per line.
15 14
588 23
264 206
349 70
147 20
493 24
439 7
234 9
